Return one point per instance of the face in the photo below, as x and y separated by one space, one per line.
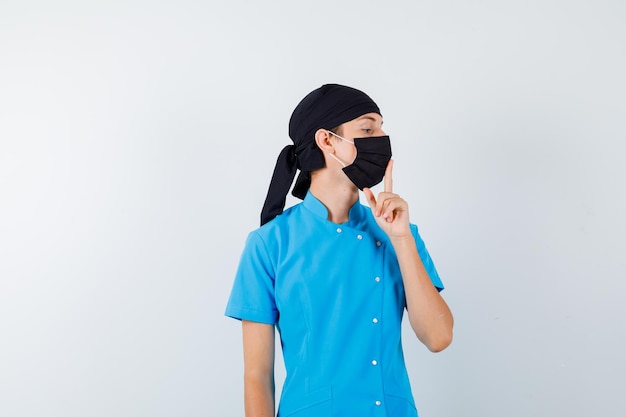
368 125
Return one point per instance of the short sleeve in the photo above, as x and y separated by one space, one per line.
426 259
252 295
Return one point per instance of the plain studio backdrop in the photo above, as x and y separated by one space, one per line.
138 138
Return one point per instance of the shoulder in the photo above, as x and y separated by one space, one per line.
278 225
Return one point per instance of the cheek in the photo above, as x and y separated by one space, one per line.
351 154
346 153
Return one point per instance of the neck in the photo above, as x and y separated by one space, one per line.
337 194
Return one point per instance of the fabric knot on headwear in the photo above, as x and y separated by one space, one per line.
324 108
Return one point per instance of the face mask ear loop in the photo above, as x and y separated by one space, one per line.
337 159
344 139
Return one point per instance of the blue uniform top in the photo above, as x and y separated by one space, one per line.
336 295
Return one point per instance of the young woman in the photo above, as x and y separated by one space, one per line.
334 276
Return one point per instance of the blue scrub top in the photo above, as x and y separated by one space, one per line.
336 295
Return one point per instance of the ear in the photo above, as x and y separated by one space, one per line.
324 141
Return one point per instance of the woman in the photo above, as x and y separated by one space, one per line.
333 275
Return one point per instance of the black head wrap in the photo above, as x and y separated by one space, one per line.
324 108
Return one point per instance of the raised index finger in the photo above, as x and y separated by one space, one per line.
388 178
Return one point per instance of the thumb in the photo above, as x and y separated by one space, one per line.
371 200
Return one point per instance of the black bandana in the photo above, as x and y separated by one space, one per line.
324 108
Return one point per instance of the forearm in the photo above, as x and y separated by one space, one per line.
258 353
259 395
428 313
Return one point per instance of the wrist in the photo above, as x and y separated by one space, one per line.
402 240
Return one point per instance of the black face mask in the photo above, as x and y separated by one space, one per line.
372 156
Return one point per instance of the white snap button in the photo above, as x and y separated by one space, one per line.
374 320
374 363
377 279
359 237
339 230
378 403
378 243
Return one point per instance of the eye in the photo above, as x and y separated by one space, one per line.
366 130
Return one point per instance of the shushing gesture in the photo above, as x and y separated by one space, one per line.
390 210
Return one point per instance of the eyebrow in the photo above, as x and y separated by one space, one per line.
370 118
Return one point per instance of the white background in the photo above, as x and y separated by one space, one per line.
137 140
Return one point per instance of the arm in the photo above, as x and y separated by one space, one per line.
258 356
429 314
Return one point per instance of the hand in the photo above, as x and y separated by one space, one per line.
390 210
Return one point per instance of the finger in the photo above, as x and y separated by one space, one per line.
371 200
388 178
388 210
391 207
382 203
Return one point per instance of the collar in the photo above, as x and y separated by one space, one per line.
315 206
